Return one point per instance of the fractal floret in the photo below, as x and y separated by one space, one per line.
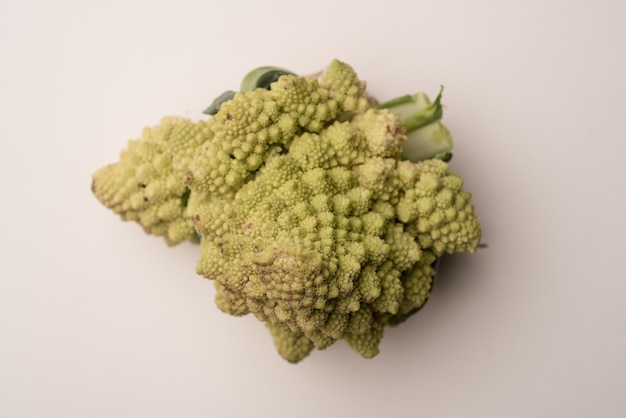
318 210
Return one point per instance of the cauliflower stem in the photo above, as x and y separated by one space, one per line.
318 211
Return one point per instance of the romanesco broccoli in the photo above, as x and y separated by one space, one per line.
319 211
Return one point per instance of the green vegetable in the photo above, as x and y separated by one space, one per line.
427 137
261 77
318 212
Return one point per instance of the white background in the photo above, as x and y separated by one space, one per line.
98 319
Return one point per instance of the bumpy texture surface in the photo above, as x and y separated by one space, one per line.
308 217
146 185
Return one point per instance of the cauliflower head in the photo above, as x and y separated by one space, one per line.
309 214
